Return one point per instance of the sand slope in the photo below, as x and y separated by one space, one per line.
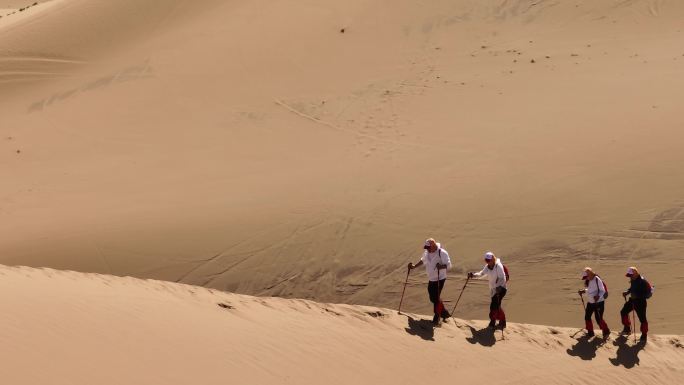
73 328
252 146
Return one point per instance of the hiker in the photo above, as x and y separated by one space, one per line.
436 261
596 295
639 291
494 270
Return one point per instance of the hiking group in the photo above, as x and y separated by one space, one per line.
436 261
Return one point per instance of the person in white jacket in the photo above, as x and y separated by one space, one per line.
436 261
496 274
596 295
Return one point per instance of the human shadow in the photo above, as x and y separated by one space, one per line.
484 337
586 347
627 355
422 328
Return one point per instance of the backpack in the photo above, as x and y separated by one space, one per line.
508 276
651 289
605 287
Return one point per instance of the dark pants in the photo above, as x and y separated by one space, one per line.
597 310
495 310
435 290
638 305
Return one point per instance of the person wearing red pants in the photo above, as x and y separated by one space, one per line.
494 270
596 296
639 291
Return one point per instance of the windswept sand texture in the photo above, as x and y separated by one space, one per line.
254 147
13 12
99 329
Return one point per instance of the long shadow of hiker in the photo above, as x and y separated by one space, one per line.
627 356
422 328
484 337
586 347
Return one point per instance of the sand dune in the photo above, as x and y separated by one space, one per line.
111 330
305 149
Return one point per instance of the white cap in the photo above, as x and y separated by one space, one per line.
630 271
489 256
584 274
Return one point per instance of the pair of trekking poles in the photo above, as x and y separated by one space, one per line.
633 314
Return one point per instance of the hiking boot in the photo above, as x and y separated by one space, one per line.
626 330
606 333
491 324
644 337
445 315
590 333
502 325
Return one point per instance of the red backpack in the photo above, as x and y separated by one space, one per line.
651 289
508 276
605 287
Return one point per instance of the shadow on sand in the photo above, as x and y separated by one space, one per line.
422 328
586 347
627 355
484 337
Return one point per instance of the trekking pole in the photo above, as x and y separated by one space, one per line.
499 314
634 321
459 296
403 291
583 305
439 306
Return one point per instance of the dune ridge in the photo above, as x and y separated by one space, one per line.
64 327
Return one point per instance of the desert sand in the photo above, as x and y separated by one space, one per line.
305 149
100 329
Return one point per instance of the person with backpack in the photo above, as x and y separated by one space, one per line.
436 261
495 271
639 291
597 293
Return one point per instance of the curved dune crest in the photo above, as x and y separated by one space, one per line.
64 327
52 40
